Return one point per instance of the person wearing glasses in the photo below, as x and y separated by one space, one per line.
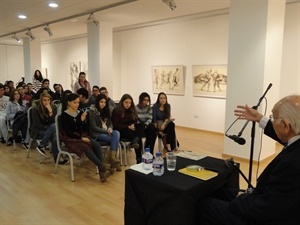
276 198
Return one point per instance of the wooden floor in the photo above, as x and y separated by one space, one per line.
30 193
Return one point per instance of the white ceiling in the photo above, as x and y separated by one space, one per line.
70 18
71 15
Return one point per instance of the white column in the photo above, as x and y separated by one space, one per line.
100 54
32 57
254 61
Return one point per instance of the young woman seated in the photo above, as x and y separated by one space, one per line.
16 113
144 112
74 134
101 129
163 122
125 120
42 125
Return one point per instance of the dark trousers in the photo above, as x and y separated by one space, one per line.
170 135
19 125
151 135
134 136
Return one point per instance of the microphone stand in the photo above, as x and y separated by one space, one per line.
253 138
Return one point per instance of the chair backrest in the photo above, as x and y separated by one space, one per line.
29 117
57 130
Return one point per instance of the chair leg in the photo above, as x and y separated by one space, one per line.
120 154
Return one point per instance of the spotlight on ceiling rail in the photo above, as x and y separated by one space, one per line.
92 19
16 38
170 3
29 34
48 30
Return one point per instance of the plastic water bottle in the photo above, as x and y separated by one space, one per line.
158 165
147 159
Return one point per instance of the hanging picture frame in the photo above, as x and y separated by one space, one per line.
209 80
168 79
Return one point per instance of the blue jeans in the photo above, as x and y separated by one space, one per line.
113 139
49 135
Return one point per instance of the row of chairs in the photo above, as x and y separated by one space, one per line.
63 151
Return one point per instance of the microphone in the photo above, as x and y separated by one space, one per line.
237 139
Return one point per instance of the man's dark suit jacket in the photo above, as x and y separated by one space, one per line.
276 199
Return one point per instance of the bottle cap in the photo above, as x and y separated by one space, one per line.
147 149
158 154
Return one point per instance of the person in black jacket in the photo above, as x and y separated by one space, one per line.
276 198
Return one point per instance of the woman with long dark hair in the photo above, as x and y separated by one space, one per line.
82 82
125 120
163 121
37 80
144 112
74 135
16 112
101 129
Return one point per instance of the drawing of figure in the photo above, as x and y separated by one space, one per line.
162 79
175 79
74 70
156 78
218 79
204 79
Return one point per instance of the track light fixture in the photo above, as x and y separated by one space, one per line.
16 38
92 19
29 33
170 3
48 30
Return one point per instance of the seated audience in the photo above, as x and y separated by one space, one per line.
101 129
30 92
144 112
45 86
43 125
163 122
74 134
26 99
3 103
276 198
16 112
124 118
95 93
85 102
110 102
58 91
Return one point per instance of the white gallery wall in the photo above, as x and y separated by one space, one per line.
187 42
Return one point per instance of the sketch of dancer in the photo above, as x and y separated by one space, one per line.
175 79
204 79
218 79
156 78
162 79
74 70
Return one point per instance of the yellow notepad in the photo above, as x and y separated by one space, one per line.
202 174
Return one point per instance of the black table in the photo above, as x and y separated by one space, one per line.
172 198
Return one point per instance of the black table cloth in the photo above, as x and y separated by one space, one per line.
172 198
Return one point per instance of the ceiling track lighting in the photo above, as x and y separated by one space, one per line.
48 30
92 19
16 38
170 3
29 34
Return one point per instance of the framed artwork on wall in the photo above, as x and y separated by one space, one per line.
74 71
210 80
168 79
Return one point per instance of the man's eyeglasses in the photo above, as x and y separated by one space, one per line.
272 118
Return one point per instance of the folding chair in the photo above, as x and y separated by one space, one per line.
62 150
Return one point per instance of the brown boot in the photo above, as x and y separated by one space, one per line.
113 158
104 172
